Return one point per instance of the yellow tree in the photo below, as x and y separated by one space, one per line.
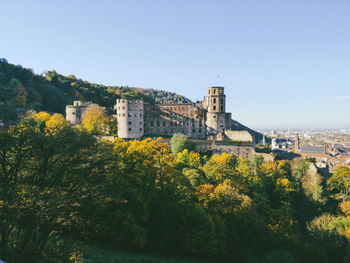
56 123
41 117
340 182
95 120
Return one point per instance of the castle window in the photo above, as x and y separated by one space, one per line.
222 108
214 91
209 92
222 101
200 123
214 100
140 115
123 108
214 117
73 113
200 130
130 129
129 123
129 114
152 123
214 107
123 114
140 129
140 122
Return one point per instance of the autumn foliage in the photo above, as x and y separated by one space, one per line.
60 184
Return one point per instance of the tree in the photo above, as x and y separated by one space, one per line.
19 92
339 182
95 120
56 123
43 179
222 167
178 143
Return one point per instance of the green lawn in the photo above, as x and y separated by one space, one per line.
98 255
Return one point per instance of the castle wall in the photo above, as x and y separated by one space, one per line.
169 119
243 149
130 117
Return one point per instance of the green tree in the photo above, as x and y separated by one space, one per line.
43 179
178 143
339 182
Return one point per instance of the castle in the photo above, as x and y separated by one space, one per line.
198 120
206 122
74 112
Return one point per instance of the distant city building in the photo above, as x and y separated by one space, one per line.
274 144
312 149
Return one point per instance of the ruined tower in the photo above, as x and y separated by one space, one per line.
215 104
74 112
130 118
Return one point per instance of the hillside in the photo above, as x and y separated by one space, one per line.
22 88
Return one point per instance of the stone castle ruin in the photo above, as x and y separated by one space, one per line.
75 111
206 123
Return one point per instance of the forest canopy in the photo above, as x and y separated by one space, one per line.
60 184
51 91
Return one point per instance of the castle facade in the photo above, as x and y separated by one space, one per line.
200 120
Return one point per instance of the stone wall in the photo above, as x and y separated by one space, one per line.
244 149
169 119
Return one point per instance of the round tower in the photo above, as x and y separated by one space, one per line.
130 118
71 115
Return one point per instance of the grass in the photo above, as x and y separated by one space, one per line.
93 254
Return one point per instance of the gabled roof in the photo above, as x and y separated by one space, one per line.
312 149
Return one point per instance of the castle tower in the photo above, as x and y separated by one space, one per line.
215 104
130 115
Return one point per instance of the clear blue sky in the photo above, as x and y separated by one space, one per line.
283 63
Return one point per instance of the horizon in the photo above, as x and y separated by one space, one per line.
282 64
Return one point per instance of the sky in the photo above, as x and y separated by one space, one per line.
283 63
